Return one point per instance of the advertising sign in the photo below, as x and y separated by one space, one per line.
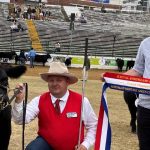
101 1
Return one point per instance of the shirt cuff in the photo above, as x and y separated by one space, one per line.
86 144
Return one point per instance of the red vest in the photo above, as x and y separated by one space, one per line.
60 131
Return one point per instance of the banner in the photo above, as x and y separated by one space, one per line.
99 1
102 1
119 82
127 83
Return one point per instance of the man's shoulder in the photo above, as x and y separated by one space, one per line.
146 40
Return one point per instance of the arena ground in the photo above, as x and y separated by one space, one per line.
93 74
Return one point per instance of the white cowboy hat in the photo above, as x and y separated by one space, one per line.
59 69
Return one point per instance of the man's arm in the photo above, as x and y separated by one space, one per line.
90 122
17 109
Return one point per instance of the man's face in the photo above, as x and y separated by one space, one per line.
58 85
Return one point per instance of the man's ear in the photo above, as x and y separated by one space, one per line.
68 81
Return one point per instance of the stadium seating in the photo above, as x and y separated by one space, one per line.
110 34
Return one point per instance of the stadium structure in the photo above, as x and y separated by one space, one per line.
117 32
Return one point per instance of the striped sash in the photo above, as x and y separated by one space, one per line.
127 83
119 82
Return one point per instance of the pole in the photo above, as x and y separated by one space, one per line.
114 40
71 28
11 31
24 113
70 43
83 88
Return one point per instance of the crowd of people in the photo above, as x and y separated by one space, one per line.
23 57
16 26
29 12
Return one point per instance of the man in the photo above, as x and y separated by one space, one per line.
31 55
142 68
22 57
57 47
58 123
14 27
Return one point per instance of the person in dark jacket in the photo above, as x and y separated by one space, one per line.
22 57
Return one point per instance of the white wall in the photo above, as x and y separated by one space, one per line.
72 9
117 2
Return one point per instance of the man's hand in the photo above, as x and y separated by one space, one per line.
81 147
102 77
20 96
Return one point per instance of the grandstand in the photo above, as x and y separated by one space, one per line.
111 34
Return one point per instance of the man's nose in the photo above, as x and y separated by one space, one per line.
55 82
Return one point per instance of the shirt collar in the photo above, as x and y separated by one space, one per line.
64 98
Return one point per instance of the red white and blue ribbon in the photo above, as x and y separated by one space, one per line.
119 82
103 133
127 83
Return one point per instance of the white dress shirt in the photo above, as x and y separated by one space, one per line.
88 115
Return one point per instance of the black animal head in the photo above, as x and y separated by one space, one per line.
7 71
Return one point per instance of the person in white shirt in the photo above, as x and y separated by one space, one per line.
59 113
14 26
57 47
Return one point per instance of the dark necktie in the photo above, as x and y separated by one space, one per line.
57 107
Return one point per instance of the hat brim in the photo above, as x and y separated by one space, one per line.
72 79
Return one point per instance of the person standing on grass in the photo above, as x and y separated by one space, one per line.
59 113
31 55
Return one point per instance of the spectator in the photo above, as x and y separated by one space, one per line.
20 27
41 14
83 19
29 11
103 10
59 113
33 14
25 12
10 18
57 47
14 27
31 55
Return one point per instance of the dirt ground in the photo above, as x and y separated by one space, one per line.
93 74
